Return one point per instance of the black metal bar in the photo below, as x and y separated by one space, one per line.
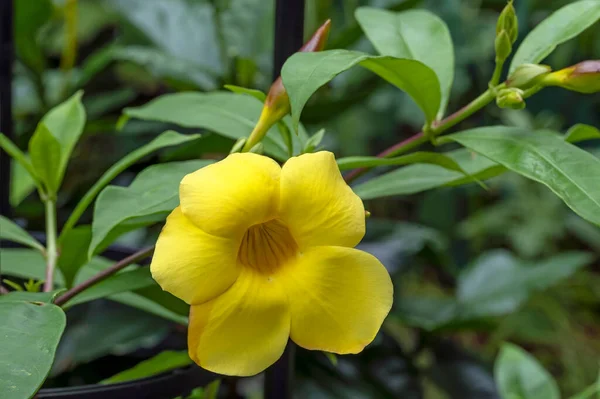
289 37
289 31
6 126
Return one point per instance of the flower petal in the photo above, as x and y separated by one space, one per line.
191 264
339 298
243 331
317 205
229 196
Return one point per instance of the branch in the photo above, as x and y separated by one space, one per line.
103 275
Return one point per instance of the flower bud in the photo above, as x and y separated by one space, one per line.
510 98
503 46
583 77
277 103
527 75
507 21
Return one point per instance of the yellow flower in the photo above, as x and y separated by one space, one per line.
264 253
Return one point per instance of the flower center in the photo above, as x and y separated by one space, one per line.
267 246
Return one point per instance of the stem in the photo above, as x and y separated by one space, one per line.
438 128
497 72
103 275
51 252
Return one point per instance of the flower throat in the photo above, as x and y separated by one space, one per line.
267 246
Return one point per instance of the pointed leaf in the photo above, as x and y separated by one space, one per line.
304 73
562 25
30 335
581 132
415 34
164 361
11 231
416 157
519 375
45 153
543 156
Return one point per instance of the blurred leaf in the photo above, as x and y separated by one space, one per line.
30 17
128 280
415 34
53 141
160 363
519 375
17 155
21 183
543 156
432 158
229 114
304 73
148 199
562 25
495 284
581 132
247 28
212 390
181 28
73 252
259 95
26 263
11 231
416 178
30 334
313 142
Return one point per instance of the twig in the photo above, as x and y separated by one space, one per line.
51 249
103 275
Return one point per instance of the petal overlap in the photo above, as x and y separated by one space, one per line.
317 205
191 264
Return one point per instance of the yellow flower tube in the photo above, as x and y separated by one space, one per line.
264 253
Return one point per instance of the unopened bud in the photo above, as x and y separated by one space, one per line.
583 77
503 46
510 98
277 103
527 75
507 21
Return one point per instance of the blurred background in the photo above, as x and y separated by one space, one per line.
458 255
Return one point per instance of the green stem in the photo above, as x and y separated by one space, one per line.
497 72
51 251
438 128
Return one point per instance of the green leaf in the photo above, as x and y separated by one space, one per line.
416 157
212 390
150 197
259 95
74 252
12 232
45 297
313 142
26 263
228 114
415 34
164 361
581 132
543 156
420 177
121 282
165 139
562 25
30 17
519 375
30 335
54 139
45 156
21 183
304 73
17 155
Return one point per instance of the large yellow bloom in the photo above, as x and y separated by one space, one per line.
263 253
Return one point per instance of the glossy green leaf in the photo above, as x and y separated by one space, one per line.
414 34
304 73
229 114
29 18
543 156
74 252
150 197
259 95
11 231
129 280
562 25
164 361
54 139
519 375
165 139
420 177
45 153
30 335
581 132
